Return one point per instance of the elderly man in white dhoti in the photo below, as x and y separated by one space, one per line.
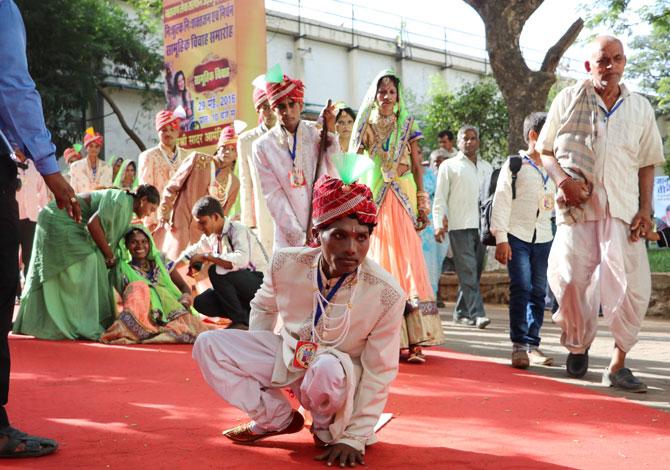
600 145
337 348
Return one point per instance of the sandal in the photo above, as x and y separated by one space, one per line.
21 445
416 356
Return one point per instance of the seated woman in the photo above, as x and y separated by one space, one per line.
68 294
156 305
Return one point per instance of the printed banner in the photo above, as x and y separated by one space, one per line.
213 49
662 199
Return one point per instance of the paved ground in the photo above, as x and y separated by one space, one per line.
649 360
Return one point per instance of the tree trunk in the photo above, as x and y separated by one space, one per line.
524 90
131 133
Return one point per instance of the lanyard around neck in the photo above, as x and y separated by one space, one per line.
295 140
544 177
329 295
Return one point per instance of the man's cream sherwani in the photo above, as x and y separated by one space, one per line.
82 179
155 168
369 352
254 210
289 206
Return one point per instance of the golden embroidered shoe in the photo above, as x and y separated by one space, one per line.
243 434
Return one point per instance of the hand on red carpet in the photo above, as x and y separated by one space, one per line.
342 453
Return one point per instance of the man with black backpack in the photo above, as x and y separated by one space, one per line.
521 224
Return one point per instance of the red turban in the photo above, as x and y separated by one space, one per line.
163 118
288 88
95 138
228 136
70 153
334 200
260 97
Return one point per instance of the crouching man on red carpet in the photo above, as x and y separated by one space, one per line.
337 347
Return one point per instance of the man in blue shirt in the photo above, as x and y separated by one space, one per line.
21 128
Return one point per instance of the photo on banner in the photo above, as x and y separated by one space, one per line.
662 200
212 51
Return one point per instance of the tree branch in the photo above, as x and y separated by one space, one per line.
135 138
554 54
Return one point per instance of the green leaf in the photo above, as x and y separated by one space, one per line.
351 166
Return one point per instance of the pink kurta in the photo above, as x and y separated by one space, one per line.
156 167
192 181
289 206
33 195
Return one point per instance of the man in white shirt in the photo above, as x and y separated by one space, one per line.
446 140
600 145
237 263
462 183
521 223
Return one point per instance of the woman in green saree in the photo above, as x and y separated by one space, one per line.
126 177
156 305
68 293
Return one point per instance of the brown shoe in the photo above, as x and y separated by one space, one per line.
243 434
520 359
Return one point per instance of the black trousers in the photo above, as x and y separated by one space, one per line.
26 236
9 274
230 295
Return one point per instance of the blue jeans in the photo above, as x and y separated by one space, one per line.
527 288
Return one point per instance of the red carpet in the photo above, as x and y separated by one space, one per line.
147 407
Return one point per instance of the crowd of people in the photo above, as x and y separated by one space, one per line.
329 271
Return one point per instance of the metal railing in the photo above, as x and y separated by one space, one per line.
404 30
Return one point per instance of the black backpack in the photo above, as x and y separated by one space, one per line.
487 237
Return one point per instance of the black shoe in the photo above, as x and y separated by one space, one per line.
623 379
440 304
577 364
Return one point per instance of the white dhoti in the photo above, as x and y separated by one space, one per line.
238 365
592 264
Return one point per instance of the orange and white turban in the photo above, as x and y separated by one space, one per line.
287 88
259 97
70 153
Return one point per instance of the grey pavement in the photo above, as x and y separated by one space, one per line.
649 360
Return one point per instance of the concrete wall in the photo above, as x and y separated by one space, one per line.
141 120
